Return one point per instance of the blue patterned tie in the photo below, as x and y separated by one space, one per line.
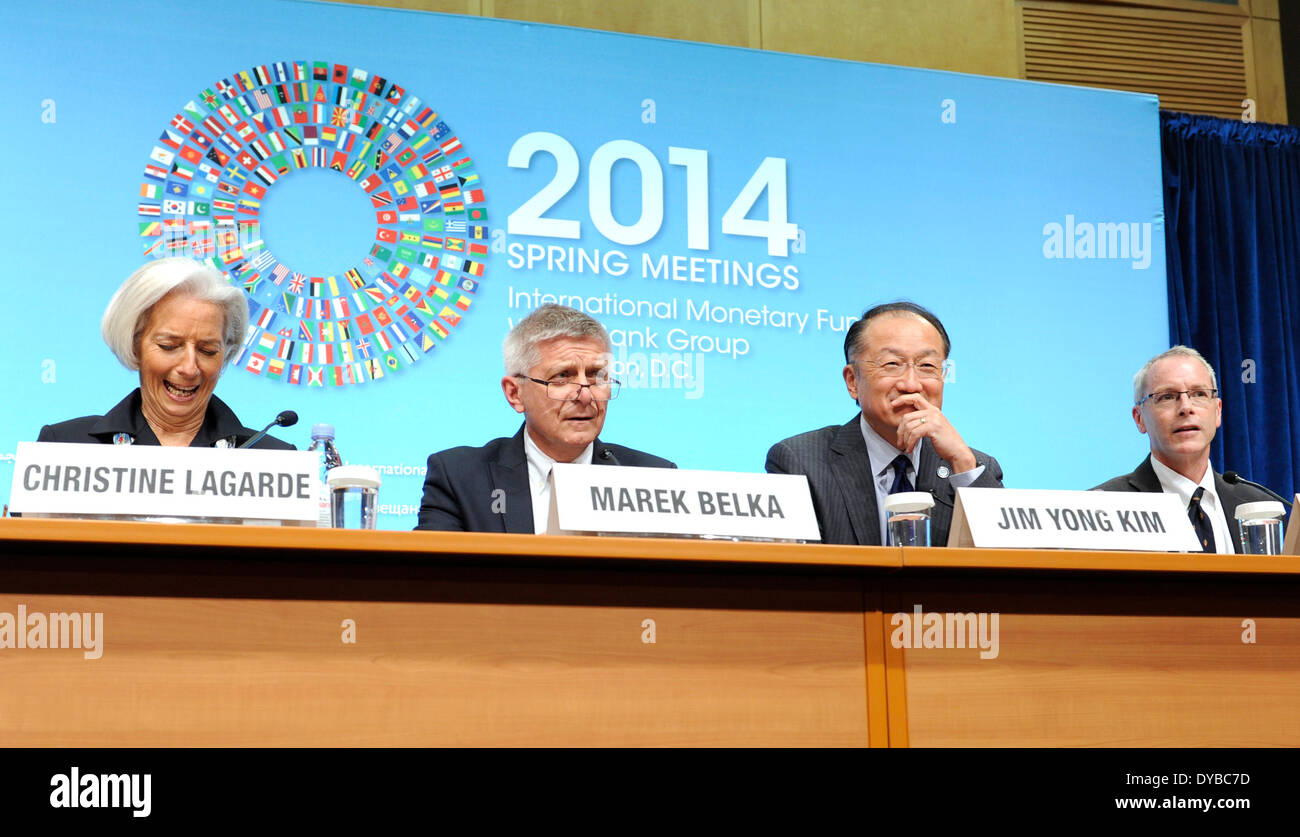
1201 522
901 482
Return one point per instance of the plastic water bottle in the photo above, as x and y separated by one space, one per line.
322 439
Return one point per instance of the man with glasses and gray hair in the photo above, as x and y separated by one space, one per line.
900 441
1176 404
557 364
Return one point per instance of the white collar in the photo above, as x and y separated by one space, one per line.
1175 483
881 453
539 463
539 472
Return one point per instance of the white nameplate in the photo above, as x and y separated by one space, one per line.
148 481
1020 518
1292 544
613 499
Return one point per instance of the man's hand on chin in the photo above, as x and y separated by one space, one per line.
926 421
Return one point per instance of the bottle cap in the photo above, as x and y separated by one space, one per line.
322 431
909 501
1262 510
353 476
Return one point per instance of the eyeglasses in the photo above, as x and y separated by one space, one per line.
898 368
1198 397
605 389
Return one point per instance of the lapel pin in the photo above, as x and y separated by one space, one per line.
943 472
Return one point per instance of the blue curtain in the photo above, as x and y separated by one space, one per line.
1232 243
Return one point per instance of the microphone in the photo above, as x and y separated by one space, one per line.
1233 478
288 418
608 456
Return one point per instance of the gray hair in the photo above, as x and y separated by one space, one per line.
1140 379
128 311
548 322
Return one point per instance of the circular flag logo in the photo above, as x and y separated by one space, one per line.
217 160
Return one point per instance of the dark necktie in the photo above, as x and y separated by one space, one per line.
901 482
1201 522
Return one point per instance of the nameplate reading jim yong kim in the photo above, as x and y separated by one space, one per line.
148 482
1027 518
617 500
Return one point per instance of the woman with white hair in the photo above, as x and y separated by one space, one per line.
179 323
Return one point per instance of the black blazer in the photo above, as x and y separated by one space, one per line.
127 419
838 468
461 484
1144 478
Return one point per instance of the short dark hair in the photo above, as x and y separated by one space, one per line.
898 307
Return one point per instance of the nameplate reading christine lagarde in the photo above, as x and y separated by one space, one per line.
1046 519
148 481
667 501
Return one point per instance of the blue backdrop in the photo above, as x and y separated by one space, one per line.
395 188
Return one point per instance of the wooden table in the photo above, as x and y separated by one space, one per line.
227 635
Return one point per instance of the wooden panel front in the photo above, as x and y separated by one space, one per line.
1110 662
232 636
223 654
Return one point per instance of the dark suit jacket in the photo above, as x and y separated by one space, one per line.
219 422
1144 478
839 473
460 486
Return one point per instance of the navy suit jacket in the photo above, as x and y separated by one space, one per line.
843 488
1144 478
461 485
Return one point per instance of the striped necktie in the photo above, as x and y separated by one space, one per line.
901 482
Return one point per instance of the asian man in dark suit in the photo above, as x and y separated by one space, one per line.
899 441
557 363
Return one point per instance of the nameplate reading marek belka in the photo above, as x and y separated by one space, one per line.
1050 519
137 481
611 499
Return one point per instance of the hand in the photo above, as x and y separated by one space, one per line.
928 421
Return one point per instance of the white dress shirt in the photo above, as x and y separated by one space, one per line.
539 483
1175 483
